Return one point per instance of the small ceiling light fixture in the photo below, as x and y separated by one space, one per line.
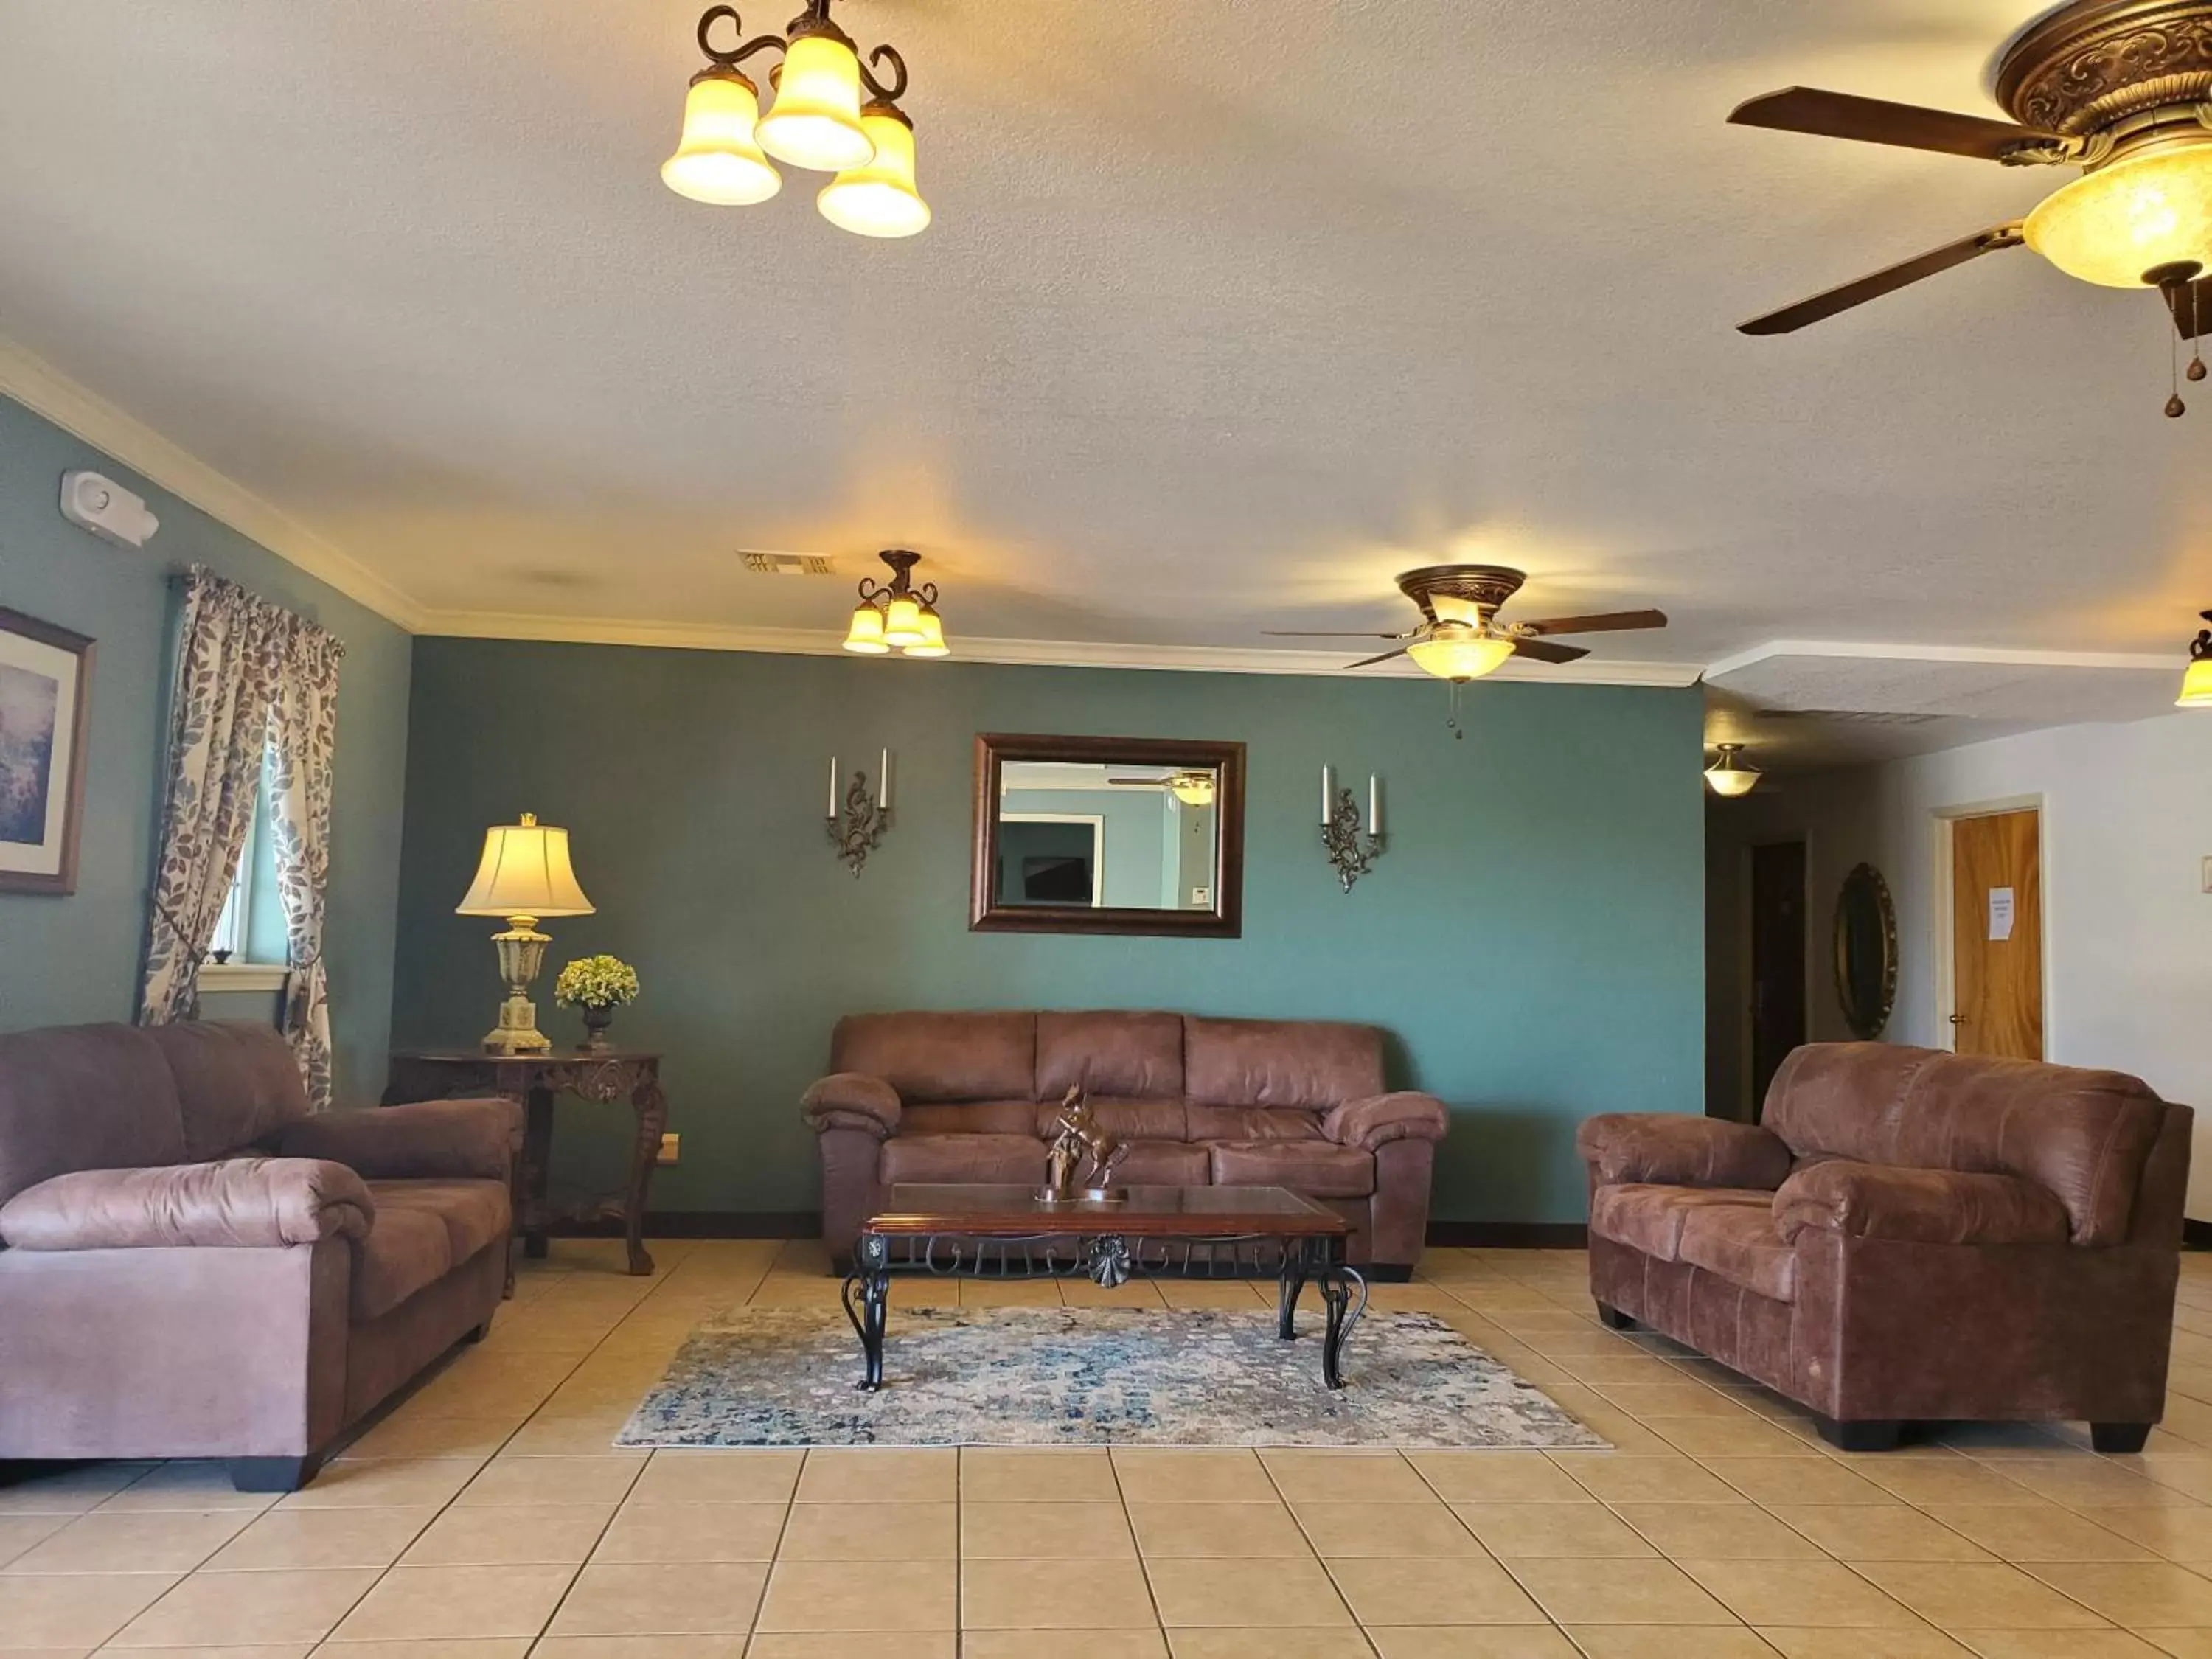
898 614
816 121
1460 652
1730 776
2197 683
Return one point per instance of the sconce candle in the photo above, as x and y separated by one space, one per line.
1374 807
884 783
832 813
1327 796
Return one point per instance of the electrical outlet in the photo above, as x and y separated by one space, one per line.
672 1148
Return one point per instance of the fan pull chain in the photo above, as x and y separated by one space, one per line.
1451 720
2196 338
2175 409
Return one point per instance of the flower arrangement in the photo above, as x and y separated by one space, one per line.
600 981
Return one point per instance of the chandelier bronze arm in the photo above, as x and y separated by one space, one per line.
744 49
896 90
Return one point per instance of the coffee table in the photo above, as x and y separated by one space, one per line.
1003 1232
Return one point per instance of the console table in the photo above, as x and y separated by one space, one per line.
537 1080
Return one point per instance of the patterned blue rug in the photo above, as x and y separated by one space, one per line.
1089 1377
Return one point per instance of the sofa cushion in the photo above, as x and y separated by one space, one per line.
1650 1218
2083 1134
1316 1169
936 1056
1164 1164
236 1082
964 1158
84 1098
1251 1123
474 1212
1135 1054
1738 1242
1313 1064
973 1117
405 1251
1125 1120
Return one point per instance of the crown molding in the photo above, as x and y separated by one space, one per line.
2007 655
45 391
1043 653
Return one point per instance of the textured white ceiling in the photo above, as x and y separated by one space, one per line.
1230 312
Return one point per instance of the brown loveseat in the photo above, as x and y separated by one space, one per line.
195 1268
1913 1237
968 1098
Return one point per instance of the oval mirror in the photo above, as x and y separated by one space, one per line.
1866 951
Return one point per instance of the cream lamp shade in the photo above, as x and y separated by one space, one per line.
815 121
524 871
1455 651
2126 219
717 160
879 199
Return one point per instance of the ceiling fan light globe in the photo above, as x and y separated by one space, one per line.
1193 791
815 121
1456 652
2111 226
717 161
2197 685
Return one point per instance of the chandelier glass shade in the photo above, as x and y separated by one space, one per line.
817 120
2130 217
2196 682
1728 776
865 635
717 161
1460 652
899 614
931 643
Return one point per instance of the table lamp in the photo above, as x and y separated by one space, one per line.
523 875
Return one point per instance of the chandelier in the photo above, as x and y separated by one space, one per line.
818 121
897 615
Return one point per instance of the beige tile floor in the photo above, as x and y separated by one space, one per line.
489 1517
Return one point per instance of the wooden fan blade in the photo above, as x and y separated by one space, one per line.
1545 651
1790 319
1872 121
1369 662
2192 309
1609 622
1325 634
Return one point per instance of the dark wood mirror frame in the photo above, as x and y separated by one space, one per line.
1225 920
1866 951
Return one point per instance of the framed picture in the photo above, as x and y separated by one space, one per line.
45 682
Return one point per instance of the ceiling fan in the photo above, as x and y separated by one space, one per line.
1460 638
1191 788
2120 88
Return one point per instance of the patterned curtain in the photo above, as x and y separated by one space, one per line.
228 660
305 734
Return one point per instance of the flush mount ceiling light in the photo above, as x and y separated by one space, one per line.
816 121
1728 775
2197 683
897 615
2120 88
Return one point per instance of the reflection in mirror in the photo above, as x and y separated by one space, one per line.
1866 951
1107 837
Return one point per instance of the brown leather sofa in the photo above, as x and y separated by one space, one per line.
195 1268
969 1098
1911 1236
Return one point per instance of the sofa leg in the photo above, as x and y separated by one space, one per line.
2119 1437
478 1333
1387 1273
273 1473
1612 1319
1869 1435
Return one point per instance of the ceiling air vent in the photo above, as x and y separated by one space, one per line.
788 564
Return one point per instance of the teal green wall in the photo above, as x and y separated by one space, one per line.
1534 938
67 960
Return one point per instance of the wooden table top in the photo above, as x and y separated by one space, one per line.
1006 1212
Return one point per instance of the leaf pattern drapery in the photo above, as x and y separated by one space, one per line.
304 735
252 679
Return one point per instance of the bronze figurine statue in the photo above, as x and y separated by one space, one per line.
1080 1141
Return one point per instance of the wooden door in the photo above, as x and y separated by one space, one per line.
1996 935
1777 962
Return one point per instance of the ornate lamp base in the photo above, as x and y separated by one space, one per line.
517 1032
521 954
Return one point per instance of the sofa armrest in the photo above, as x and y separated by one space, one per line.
428 1140
1925 1206
1668 1150
239 1202
1380 1119
853 1100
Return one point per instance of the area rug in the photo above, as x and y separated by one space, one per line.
1089 1377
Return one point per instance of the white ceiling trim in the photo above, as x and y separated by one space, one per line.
44 390
1052 654
2027 658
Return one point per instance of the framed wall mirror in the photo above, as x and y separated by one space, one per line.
1866 951
1108 835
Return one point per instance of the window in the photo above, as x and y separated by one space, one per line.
251 928
230 928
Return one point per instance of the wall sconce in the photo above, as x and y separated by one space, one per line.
856 824
1351 853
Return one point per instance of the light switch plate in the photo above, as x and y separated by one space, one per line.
672 1148
2208 875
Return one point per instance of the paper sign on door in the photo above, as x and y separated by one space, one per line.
2001 909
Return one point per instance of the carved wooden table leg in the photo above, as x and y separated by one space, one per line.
531 1175
651 1109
